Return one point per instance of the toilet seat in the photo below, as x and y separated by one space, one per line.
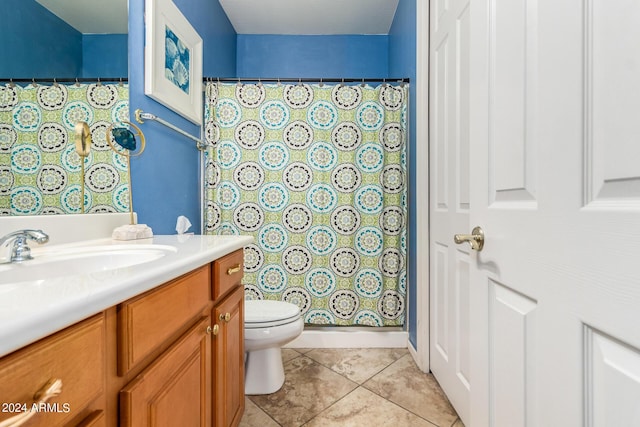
267 313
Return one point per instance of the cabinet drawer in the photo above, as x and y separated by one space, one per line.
227 273
147 321
75 356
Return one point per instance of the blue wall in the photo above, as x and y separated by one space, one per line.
402 62
313 56
34 43
105 55
166 177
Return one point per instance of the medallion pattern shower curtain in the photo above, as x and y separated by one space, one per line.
317 175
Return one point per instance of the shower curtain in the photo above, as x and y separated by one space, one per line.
317 175
40 171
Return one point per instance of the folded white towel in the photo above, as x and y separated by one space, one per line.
132 232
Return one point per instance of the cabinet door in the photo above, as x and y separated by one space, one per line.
228 353
175 390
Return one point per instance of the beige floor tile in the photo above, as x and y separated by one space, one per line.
288 354
255 417
357 364
309 388
364 408
404 384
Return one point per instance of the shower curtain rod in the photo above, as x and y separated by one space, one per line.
304 80
67 80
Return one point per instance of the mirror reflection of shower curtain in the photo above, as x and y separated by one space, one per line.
317 175
40 169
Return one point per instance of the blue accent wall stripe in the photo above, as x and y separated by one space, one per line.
402 62
264 55
104 55
38 43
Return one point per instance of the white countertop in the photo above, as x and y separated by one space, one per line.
34 309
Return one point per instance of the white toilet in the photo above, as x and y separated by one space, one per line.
268 325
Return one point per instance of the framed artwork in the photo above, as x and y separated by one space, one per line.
173 60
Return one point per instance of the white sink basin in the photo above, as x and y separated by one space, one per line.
67 261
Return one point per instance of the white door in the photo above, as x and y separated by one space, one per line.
449 199
555 184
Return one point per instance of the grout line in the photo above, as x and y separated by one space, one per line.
342 375
356 388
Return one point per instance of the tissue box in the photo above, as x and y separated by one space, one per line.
132 232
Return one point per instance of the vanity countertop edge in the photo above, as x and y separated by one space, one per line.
33 310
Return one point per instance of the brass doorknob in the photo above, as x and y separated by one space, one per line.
213 331
475 239
226 317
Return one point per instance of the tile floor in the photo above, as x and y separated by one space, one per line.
351 388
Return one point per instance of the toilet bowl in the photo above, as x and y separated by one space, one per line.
268 325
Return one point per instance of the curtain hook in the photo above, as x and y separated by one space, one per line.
321 82
11 83
55 83
259 83
279 84
33 82
384 83
299 81
99 82
120 83
401 81
362 84
239 84
77 82
342 82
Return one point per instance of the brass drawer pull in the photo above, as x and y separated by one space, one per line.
213 331
225 317
51 389
232 270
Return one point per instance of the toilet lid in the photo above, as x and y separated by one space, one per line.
261 313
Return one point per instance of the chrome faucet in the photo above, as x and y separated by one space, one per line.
20 251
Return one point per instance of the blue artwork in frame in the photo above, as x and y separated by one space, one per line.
177 61
172 60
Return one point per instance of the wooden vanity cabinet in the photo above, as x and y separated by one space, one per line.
228 341
172 356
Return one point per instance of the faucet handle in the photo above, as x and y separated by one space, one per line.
19 249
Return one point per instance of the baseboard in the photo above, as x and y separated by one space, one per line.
414 353
350 338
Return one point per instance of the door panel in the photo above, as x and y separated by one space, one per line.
512 327
613 381
449 199
512 102
611 143
554 293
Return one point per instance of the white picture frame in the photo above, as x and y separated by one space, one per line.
172 60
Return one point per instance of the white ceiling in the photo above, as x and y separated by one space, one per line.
310 16
247 16
91 16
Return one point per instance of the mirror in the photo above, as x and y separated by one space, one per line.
61 39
